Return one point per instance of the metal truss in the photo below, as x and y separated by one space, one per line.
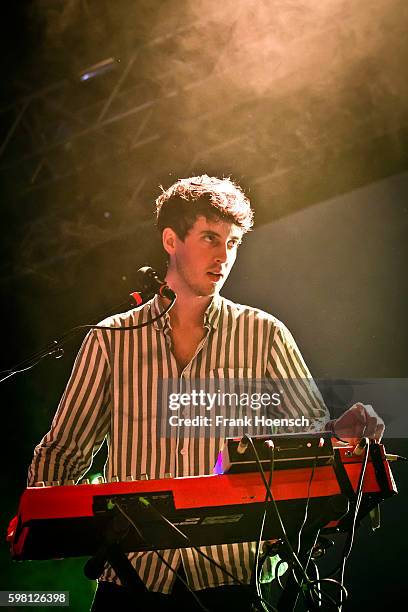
45 125
41 129
75 128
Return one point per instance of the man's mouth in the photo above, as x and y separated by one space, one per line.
216 276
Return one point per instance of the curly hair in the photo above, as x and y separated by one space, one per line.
179 206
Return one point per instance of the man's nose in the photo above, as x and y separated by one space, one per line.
221 254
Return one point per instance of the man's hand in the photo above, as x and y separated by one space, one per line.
358 421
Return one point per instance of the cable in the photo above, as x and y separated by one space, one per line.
305 517
316 583
131 521
270 496
257 567
56 345
307 506
147 504
277 576
313 591
308 584
347 547
319 594
125 328
356 511
349 542
307 581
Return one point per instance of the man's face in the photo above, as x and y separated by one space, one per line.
202 262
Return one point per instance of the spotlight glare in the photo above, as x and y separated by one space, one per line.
97 69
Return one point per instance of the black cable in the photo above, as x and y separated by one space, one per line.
349 542
124 328
184 582
356 511
313 591
318 582
270 496
311 587
146 503
281 586
308 583
307 506
257 570
319 594
56 345
347 547
277 576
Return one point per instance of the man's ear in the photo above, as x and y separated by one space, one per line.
169 238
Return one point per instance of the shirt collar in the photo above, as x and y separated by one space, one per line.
157 307
213 312
211 315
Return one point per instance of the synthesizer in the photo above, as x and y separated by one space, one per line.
70 520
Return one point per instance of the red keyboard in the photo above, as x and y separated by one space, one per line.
65 521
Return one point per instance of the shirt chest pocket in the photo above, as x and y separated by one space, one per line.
231 374
238 380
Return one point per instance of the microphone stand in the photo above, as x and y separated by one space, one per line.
54 348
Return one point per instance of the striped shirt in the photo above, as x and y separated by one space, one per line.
120 387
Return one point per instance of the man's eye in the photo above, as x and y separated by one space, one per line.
233 243
209 238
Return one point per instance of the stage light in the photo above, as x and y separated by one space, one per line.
97 69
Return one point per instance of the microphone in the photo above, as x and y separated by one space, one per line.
151 285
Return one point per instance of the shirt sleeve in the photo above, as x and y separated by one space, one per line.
298 392
81 421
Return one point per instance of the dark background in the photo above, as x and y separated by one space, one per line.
304 105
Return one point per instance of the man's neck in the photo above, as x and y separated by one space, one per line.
189 309
189 313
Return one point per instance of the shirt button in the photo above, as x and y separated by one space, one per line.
183 451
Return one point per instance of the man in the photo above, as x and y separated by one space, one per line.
121 380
